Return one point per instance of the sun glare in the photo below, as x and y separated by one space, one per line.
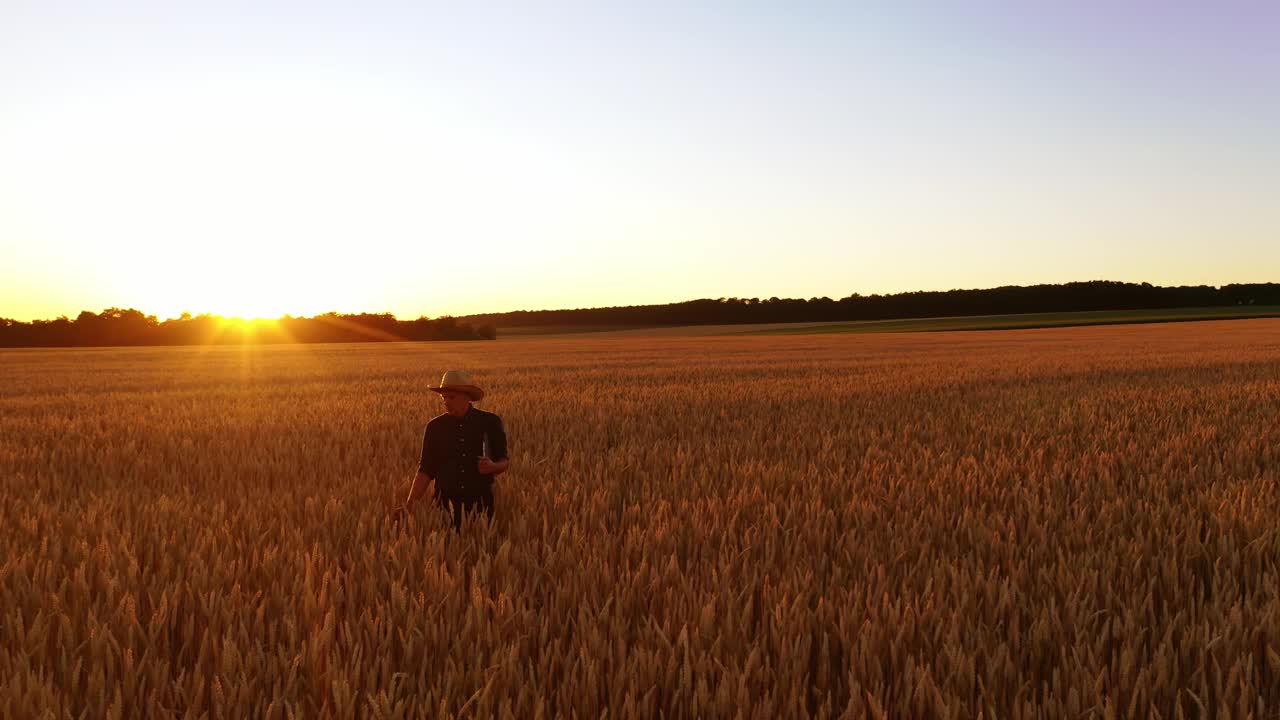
260 301
249 302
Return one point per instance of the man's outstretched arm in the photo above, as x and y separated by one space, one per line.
421 481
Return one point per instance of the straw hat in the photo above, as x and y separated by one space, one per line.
461 381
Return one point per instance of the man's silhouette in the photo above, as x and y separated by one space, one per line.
462 451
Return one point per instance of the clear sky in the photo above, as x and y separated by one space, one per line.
257 158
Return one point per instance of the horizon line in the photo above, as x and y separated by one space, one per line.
290 316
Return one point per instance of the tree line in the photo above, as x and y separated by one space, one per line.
1067 297
117 326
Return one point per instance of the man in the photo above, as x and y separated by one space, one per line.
462 450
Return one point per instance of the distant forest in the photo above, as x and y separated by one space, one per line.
115 326
1068 297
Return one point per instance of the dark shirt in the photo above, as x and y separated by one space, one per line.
461 440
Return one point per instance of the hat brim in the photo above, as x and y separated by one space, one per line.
472 391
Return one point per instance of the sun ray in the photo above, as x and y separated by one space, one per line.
372 333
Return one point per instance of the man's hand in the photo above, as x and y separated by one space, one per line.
490 467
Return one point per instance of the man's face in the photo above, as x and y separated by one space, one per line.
455 403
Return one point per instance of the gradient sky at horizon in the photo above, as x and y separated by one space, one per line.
252 158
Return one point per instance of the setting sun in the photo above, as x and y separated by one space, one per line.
247 285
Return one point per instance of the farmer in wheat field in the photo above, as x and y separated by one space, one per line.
462 450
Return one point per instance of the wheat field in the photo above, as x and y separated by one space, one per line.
1053 523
